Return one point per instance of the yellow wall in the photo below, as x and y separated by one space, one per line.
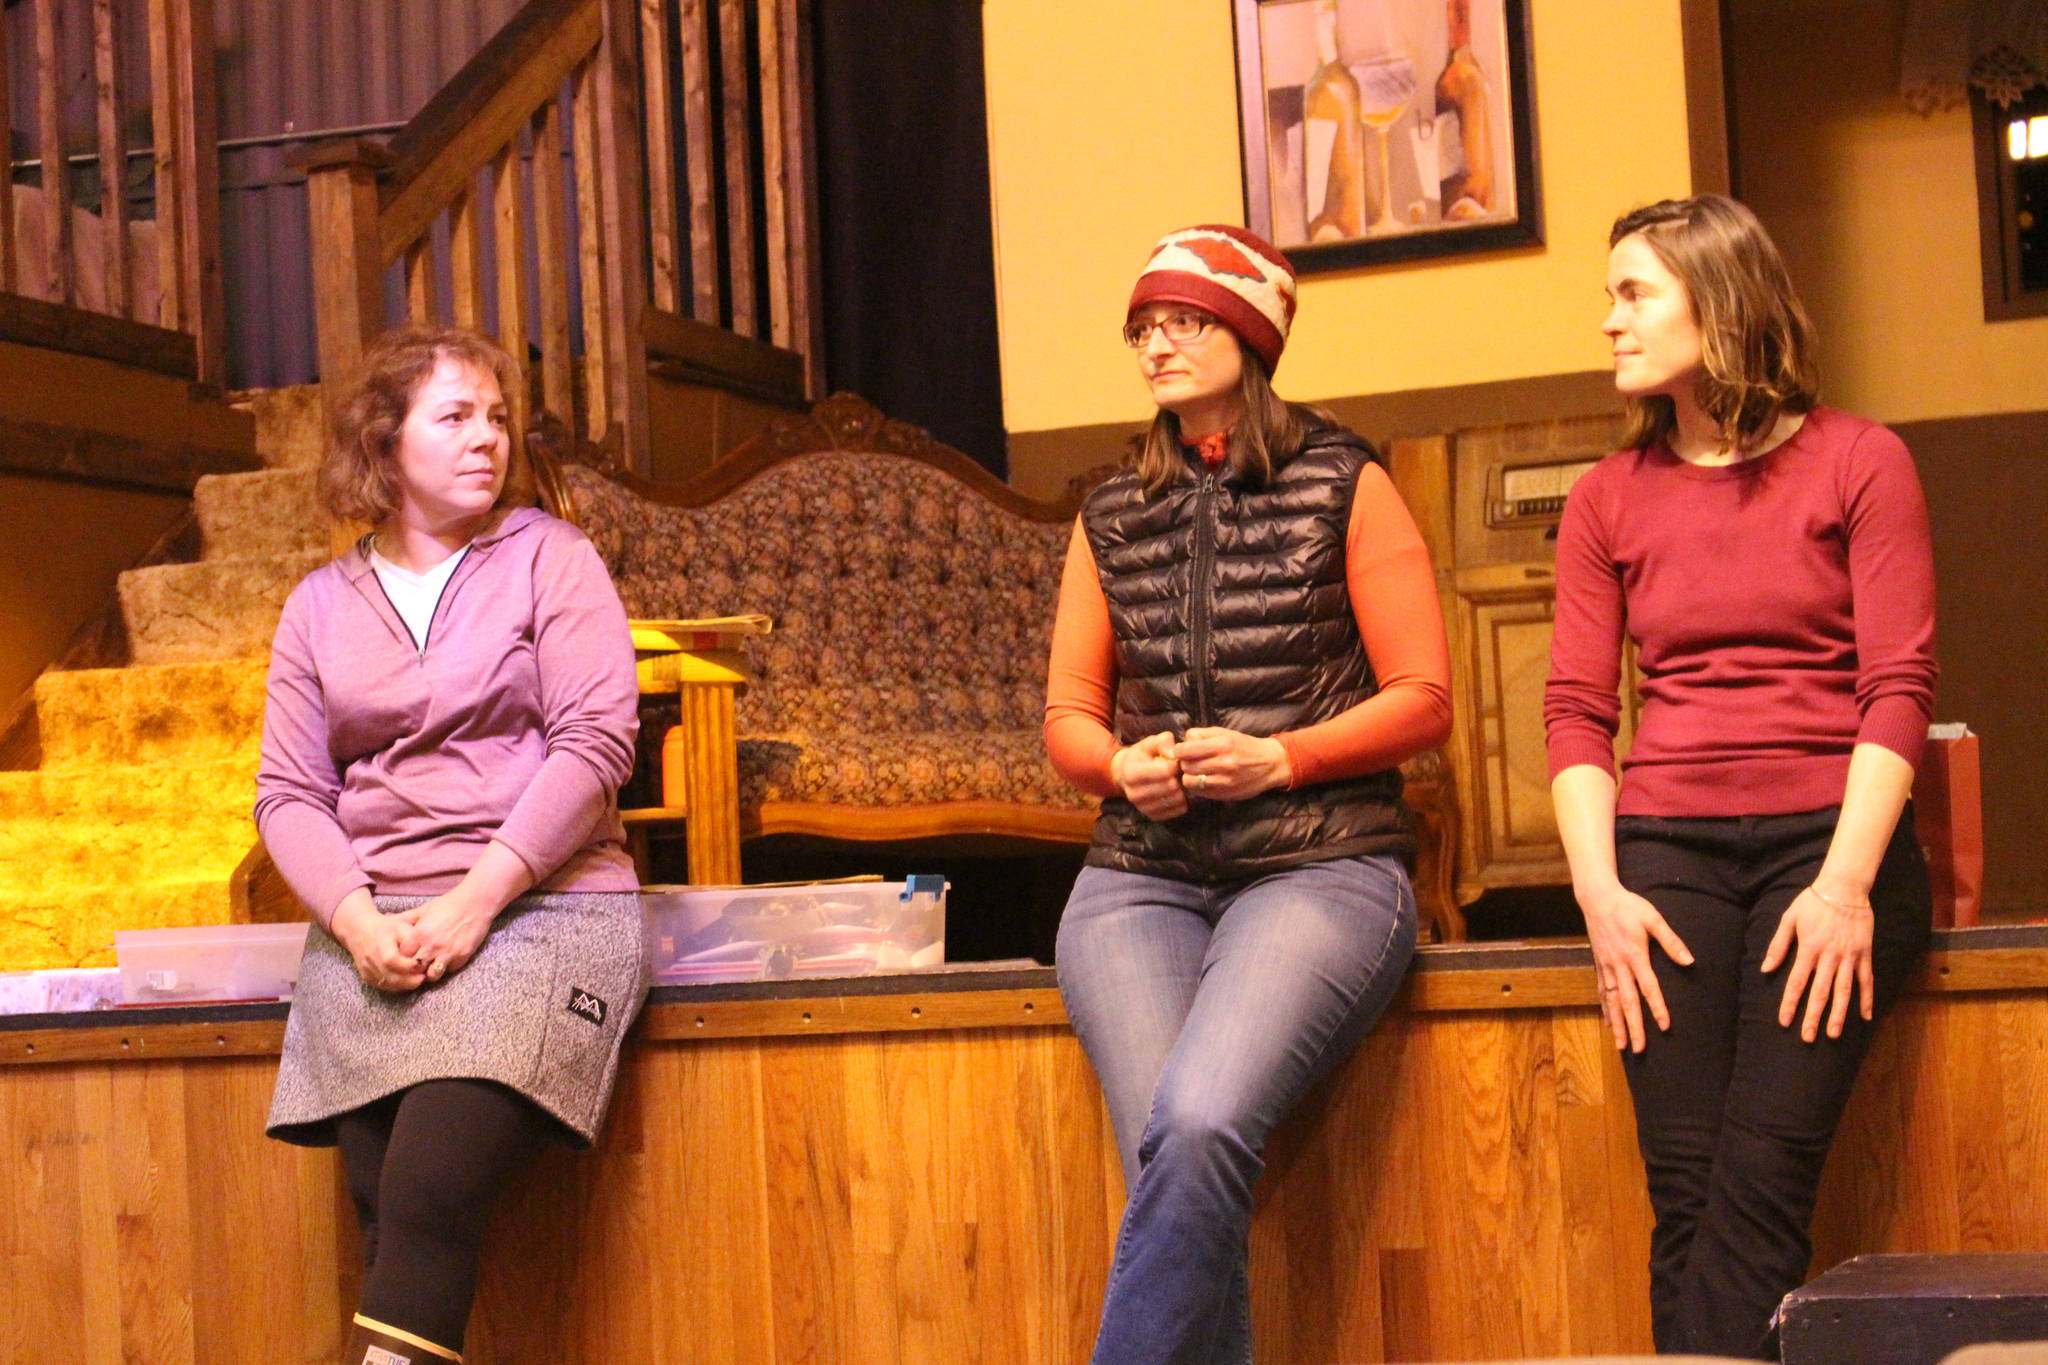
1875 208
1111 124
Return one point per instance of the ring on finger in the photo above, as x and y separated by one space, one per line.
436 969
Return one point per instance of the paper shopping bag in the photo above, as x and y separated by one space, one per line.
1948 811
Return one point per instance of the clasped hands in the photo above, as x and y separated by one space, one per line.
404 951
1159 773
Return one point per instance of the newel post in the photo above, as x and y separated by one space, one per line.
348 267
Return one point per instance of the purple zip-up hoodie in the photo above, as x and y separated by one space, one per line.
390 766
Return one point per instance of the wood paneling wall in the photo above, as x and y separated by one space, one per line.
1467 1187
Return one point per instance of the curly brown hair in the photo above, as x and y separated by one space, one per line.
1756 342
358 476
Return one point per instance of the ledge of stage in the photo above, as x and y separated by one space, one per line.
1515 975
917 1169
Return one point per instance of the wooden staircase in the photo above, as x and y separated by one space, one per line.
514 203
139 815
260 533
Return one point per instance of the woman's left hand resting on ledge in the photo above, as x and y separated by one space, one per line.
450 928
1228 765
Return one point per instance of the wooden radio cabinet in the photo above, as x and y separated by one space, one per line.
1488 502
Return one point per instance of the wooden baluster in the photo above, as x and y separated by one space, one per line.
422 282
590 252
188 177
624 276
697 151
113 160
199 188
800 200
739 163
7 268
774 174
164 120
508 236
551 250
466 258
662 248
59 269
508 230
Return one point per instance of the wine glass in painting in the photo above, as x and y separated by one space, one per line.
1386 87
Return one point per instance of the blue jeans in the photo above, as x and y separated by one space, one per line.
1208 1011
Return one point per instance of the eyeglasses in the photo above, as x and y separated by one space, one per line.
1180 328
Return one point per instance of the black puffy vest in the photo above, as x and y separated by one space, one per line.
1229 607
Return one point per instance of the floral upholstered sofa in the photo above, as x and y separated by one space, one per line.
912 595
899 694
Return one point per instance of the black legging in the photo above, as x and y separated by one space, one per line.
425 1167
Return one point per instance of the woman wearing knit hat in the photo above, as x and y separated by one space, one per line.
1248 644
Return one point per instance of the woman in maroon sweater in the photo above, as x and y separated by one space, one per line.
1769 558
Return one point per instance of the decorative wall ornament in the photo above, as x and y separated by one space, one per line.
1949 46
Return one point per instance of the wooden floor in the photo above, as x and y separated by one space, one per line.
924 1180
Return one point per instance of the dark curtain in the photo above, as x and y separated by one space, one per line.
909 256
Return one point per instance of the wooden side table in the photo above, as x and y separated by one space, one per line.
705 794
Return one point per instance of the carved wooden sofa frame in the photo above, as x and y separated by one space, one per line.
899 695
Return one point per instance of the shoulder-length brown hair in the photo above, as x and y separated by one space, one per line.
1270 431
358 476
1756 342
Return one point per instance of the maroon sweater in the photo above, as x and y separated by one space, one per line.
1782 611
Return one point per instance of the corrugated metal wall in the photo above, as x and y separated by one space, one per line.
298 71
288 72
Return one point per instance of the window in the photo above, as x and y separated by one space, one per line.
2012 203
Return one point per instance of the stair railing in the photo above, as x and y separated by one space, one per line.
167 311
535 196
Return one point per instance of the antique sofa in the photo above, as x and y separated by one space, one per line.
912 593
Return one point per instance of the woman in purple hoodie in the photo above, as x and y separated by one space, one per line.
451 711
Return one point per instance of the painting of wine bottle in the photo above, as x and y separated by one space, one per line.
1381 130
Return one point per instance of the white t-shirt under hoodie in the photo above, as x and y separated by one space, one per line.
415 595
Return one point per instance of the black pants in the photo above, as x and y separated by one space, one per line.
424 1168
1734 1114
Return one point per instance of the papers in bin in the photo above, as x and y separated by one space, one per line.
770 933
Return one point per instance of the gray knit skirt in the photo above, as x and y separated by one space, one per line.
542 1008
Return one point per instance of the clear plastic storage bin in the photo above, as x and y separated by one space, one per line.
209 962
758 933
59 990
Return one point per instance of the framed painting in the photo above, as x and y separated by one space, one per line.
1386 130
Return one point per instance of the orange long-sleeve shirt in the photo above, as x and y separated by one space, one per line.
1393 598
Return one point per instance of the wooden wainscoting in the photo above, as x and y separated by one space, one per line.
926 1181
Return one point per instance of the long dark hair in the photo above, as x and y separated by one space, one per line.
1756 342
1271 430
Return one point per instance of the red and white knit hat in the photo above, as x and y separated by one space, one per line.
1237 275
